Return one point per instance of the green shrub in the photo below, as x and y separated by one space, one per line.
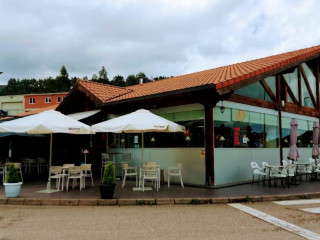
12 175
195 201
108 174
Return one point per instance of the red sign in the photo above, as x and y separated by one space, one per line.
236 138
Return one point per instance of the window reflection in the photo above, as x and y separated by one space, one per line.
245 129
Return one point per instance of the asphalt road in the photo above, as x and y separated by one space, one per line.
213 221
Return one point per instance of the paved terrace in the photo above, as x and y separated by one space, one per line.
173 195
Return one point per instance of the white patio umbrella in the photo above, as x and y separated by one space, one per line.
47 122
140 121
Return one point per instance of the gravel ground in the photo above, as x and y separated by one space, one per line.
215 221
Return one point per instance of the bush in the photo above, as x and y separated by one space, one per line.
108 174
12 175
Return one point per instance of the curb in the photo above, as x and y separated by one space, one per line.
152 201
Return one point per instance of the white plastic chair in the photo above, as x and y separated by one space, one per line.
64 174
257 171
305 169
55 173
279 173
150 172
75 173
129 171
292 168
175 172
87 172
284 162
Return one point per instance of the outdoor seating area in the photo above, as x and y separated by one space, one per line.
288 173
69 173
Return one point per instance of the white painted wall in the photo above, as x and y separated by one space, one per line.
232 165
193 163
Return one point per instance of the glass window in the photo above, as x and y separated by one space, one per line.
254 90
193 137
311 78
292 80
48 100
271 81
32 100
239 128
306 99
58 99
304 137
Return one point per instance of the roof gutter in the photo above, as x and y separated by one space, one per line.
165 94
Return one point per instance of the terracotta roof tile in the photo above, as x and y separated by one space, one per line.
220 77
104 92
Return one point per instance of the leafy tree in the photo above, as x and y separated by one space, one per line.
94 78
63 84
73 81
118 81
103 76
131 80
159 78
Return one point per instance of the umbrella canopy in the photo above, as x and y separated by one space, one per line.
293 153
47 122
140 121
315 136
137 122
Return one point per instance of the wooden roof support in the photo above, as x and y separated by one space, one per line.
268 90
288 90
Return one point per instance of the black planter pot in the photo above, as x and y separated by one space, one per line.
107 190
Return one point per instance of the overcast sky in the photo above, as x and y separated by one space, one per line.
157 37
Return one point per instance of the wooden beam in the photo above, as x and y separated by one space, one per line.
278 89
299 86
268 90
306 81
252 101
293 108
288 90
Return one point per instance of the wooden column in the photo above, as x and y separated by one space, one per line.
299 86
278 86
209 144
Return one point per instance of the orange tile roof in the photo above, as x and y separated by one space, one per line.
103 92
220 77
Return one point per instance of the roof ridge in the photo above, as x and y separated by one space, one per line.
103 84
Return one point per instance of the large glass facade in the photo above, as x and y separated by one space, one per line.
305 129
238 128
193 121
292 80
254 90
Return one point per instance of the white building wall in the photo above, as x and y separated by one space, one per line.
14 104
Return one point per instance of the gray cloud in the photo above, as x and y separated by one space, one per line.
159 37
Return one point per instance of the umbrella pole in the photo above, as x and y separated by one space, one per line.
142 146
50 161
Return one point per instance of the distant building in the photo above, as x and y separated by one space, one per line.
34 101
13 104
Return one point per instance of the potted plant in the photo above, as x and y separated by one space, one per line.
12 184
107 185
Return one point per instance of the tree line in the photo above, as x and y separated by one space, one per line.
63 83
